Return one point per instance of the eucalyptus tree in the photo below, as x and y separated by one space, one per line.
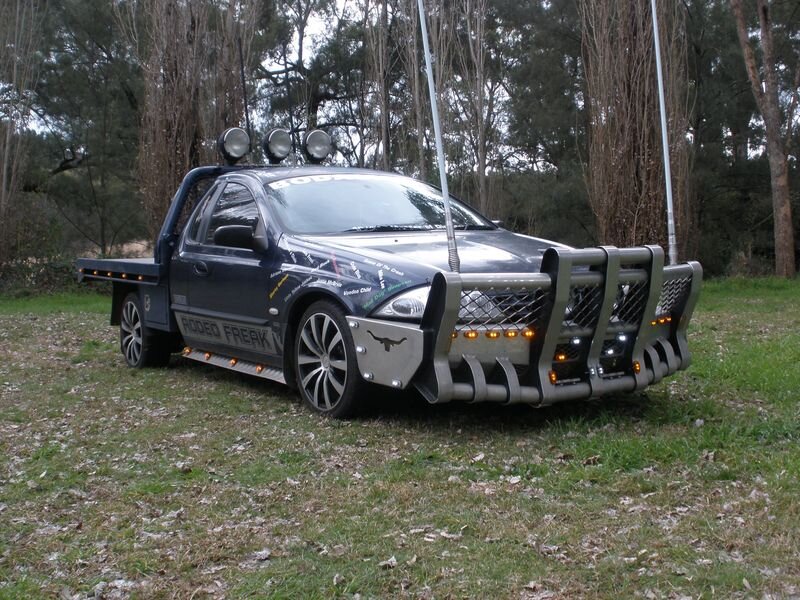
775 82
87 99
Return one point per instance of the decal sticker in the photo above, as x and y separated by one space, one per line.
288 248
332 282
228 333
335 266
299 286
356 272
354 291
388 268
388 343
383 293
277 287
147 303
284 183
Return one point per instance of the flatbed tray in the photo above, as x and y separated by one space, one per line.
135 270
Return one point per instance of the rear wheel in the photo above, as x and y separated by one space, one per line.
325 362
140 345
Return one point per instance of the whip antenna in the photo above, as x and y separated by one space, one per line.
244 89
452 251
673 245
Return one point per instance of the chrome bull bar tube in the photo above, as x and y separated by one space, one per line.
601 321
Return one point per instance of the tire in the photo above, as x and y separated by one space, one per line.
325 364
140 345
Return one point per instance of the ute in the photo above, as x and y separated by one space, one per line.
336 281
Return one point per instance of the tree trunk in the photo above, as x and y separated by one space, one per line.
767 98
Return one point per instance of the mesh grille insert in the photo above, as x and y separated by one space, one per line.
504 307
630 304
673 293
583 306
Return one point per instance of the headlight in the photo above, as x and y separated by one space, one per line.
408 305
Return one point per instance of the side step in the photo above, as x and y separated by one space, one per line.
234 364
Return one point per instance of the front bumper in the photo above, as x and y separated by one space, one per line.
592 322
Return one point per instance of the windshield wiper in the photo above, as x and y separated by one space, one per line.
473 227
387 228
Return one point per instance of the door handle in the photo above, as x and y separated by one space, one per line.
201 269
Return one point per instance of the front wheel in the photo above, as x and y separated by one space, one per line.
140 345
325 362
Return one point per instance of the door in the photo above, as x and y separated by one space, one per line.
226 308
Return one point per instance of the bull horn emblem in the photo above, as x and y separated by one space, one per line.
388 343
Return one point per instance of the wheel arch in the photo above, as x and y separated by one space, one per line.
296 310
119 293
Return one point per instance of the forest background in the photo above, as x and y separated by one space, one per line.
549 108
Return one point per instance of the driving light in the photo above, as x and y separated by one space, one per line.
277 145
528 333
408 305
471 334
492 335
316 145
233 144
511 334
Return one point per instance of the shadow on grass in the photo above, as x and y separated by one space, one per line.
408 409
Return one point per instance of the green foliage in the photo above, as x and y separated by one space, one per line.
88 94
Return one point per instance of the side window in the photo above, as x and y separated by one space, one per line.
236 206
197 219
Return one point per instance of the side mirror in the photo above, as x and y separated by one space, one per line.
240 236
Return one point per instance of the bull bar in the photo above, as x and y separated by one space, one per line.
596 321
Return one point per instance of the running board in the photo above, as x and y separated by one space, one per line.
234 364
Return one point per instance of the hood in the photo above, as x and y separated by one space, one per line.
493 251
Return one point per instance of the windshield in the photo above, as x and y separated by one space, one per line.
343 202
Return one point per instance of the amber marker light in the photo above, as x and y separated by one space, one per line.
187 350
124 276
528 333
553 377
511 334
471 335
234 361
653 323
94 272
208 355
637 367
259 368
454 335
492 335
669 319
108 274
140 278
561 357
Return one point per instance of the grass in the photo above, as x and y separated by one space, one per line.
190 481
